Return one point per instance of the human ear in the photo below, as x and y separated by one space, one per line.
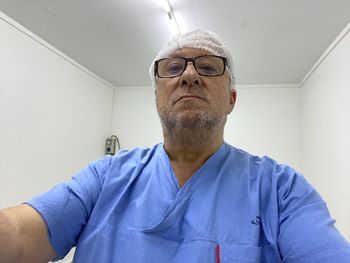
233 97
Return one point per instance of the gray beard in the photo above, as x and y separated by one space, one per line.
196 129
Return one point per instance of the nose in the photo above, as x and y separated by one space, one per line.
190 76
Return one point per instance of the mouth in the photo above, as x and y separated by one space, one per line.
189 97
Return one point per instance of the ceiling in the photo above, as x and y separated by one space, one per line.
272 41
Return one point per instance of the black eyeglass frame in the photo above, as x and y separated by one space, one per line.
156 63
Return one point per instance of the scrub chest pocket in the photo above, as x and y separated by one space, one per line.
231 253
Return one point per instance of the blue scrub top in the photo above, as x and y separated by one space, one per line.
235 208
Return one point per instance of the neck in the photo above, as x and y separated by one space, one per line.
188 153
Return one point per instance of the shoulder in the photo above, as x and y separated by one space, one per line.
125 165
137 153
261 166
269 176
134 156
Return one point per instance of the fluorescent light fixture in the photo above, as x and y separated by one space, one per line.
172 21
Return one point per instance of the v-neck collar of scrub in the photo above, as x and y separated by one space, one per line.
169 172
183 193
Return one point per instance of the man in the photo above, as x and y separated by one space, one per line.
193 198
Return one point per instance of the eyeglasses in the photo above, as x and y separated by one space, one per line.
208 65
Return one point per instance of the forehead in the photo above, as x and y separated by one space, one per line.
190 52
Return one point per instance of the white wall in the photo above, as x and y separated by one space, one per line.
326 129
54 115
265 121
135 118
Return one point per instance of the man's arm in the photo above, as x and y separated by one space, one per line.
306 231
23 236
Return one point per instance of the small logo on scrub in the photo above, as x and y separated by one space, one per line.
256 220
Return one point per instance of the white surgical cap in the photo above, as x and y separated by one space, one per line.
195 39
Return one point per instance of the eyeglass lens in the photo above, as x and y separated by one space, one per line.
205 65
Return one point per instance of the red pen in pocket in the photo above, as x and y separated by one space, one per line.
217 253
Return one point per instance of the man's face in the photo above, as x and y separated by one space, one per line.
192 100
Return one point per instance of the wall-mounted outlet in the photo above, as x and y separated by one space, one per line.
111 145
